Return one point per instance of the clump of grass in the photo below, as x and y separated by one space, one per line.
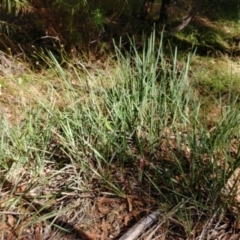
139 136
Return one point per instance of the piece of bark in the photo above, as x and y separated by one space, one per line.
139 227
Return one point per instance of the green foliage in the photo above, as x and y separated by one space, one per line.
98 18
66 21
74 23
16 5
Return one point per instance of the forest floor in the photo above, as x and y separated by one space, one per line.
76 163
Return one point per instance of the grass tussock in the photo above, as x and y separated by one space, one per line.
98 150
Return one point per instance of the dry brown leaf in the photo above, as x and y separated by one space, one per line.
90 236
101 207
21 189
237 224
129 200
105 227
136 212
138 203
235 237
11 221
126 219
105 204
122 207
4 227
38 234
102 236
